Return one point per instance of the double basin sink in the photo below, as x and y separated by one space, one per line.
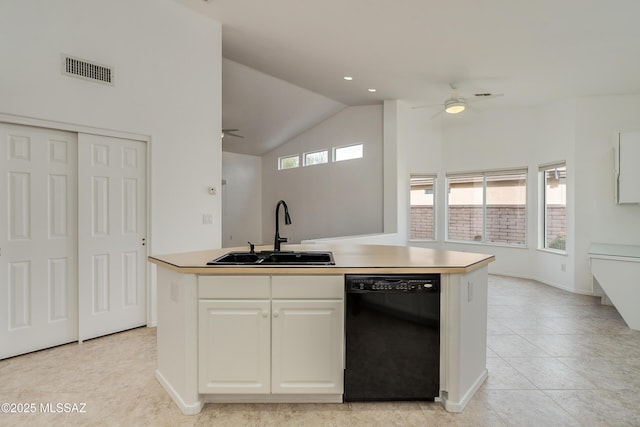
275 258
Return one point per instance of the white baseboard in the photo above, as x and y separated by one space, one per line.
187 409
460 405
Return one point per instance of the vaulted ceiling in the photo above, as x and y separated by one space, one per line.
534 52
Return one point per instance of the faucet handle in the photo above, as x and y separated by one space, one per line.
252 248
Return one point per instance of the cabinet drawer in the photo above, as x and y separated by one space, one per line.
329 287
233 287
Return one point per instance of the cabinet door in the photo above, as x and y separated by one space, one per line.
628 168
234 346
307 353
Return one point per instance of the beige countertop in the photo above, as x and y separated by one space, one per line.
352 259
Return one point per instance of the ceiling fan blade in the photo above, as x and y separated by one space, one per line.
229 130
483 97
436 115
426 106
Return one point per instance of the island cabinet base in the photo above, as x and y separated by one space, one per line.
187 368
463 337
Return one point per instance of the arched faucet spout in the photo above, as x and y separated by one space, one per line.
287 220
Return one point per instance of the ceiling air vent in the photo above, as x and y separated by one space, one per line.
86 70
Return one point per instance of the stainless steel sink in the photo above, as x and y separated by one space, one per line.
275 258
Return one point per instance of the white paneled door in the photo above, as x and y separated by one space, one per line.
38 239
111 234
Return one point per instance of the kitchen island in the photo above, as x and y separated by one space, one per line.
299 357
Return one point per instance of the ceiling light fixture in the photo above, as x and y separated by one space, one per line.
371 90
348 78
454 106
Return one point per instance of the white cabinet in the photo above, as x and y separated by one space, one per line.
627 158
234 346
306 346
279 334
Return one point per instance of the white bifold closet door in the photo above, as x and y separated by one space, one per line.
111 234
38 239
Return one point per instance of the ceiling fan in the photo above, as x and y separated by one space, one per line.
230 132
457 104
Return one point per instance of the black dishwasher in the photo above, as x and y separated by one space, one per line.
392 330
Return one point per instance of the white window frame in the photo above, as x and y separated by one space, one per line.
484 175
542 201
290 156
304 157
434 178
336 149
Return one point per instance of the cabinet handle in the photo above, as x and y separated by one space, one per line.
276 313
265 313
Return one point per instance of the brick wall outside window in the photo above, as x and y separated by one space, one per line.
505 223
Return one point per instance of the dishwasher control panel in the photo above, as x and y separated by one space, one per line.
355 283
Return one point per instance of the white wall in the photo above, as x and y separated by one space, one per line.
581 132
598 218
495 139
167 86
167 62
333 199
241 199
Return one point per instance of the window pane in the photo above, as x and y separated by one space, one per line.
316 158
288 162
348 152
421 200
465 196
506 208
555 208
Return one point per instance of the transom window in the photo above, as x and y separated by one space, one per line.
348 152
288 162
316 157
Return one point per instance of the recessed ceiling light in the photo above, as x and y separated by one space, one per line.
371 90
348 78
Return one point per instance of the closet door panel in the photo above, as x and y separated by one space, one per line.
38 239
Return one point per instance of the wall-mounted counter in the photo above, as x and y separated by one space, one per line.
196 302
617 270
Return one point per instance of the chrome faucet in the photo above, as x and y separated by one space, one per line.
287 220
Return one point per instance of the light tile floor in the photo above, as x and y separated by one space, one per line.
554 359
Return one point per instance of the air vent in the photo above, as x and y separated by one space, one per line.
86 70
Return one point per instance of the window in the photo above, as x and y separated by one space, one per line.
348 152
422 204
465 208
288 162
488 207
554 206
316 158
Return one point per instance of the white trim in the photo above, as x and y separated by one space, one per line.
334 149
290 156
187 409
545 166
488 172
71 127
459 406
434 206
485 176
304 157
272 398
